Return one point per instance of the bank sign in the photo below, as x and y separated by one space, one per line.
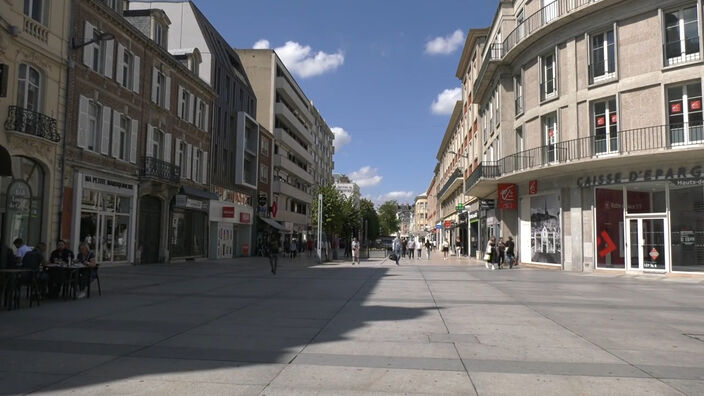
680 176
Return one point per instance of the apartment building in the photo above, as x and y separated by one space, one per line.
323 150
34 45
284 109
591 116
421 215
235 146
136 180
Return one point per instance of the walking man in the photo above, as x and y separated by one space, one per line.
419 248
410 247
397 248
355 250
510 252
274 252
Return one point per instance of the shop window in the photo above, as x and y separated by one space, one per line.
687 229
685 114
609 228
603 56
681 36
29 88
605 124
545 229
22 196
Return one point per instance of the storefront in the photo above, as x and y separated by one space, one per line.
541 229
188 230
230 229
473 217
106 214
22 202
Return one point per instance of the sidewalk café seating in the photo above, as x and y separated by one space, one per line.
11 283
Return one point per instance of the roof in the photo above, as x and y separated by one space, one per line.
454 118
472 37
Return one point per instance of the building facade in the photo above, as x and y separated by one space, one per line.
592 150
34 46
421 226
323 150
284 109
234 163
348 188
137 151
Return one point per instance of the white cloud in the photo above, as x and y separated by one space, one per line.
445 101
400 196
261 44
366 177
302 61
445 45
341 138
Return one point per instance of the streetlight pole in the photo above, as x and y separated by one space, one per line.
464 195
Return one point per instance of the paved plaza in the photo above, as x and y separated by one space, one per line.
425 327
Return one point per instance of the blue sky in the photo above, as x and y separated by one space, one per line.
373 68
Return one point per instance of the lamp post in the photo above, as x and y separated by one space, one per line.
464 192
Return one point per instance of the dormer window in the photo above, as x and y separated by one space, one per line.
159 37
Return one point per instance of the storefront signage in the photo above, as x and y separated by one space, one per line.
228 212
438 226
182 201
18 196
654 254
676 108
508 196
448 223
99 183
473 215
533 187
695 105
244 218
687 238
679 176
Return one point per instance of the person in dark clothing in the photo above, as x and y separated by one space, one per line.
273 248
61 254
34 259
510 252
90 272
501 248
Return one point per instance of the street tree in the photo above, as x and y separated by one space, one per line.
388 222
368 213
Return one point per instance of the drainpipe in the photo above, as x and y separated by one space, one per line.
69 66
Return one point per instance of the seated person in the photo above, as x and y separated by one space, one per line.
87 258
34 259
21 247
62 254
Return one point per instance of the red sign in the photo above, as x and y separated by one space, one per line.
508 196
551 132
533 187
609 245
244 218
228 212
695 105
601 121
676 108
448 223
245 249
614 118
654 254
274 209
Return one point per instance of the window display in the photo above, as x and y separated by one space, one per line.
546 235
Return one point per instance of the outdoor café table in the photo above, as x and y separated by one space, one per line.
64 278
10 281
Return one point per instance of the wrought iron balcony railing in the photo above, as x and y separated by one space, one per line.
32 123
161 170
655 138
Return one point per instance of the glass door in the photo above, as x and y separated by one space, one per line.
647 244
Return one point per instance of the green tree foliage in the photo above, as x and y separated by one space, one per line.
351 219
368 213
333 219
388 223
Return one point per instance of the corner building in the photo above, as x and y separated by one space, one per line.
592 133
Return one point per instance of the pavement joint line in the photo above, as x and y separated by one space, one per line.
454 344
323 327
530 307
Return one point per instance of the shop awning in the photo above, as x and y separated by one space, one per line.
273 223
194 192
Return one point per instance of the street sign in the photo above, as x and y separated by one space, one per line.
459 207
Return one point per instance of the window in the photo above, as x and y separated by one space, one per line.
160 88
263 173
201 115
127 69
603 56
159 35
114 4
685 113
34 9
29 88
548 85
521 28
264 144
518 90
497 105
605 126
550 138
185 107
181 156
93 126
157 144
197 165
681 36
123 139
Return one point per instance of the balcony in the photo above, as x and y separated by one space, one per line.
31 123
36 30
284 137
292 217
456 176
284 88
625 146
160 170
286 113
291 191
285 163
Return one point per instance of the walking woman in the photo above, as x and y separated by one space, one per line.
491 255
445 249
274 252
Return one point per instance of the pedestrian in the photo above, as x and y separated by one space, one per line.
410 247
458 246
419 248
273 250
491 256
287 247
502 252
428 247
294 248
510 252
309 246
87 258
397 248
445 249
355 250
403 246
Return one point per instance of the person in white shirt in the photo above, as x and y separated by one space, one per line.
409 248
419 248
22 248
355 250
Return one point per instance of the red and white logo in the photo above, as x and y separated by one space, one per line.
533 187
676 107
695 105
654 254
601 121
508 196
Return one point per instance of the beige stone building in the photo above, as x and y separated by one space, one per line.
591 129
420 218
34 45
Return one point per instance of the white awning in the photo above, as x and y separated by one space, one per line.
273 223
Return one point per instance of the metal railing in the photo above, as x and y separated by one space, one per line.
455 174
653 138
156 168
32 123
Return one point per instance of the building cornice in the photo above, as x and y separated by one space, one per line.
472 37
450 130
